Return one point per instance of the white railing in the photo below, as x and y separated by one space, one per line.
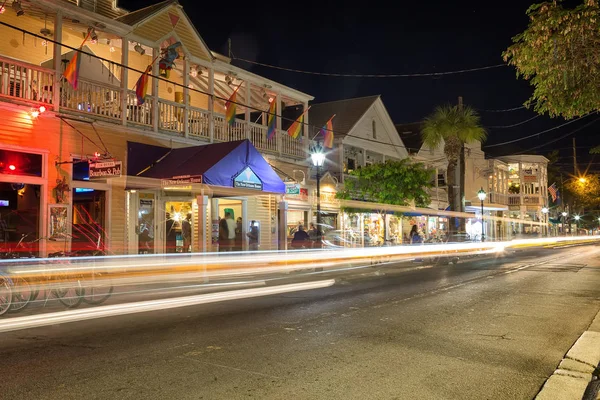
92 98
258 136
171 116
229 133
531 200
497 198
198 123
292 147
25 81
139 114
514 200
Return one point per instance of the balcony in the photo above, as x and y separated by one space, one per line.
514 200
497 198
27 83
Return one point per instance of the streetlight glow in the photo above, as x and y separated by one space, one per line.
545 210
481 194
564 214
318 159
577 218
582 180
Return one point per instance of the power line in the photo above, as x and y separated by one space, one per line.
539 133
341 75
506 109
513 125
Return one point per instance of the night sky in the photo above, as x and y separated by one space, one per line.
410 37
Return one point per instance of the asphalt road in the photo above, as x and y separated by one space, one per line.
483 329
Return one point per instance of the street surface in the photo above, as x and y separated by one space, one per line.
482 329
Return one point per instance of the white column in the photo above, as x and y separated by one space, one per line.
282 208
245 224
186 97
279 130
155 110
248 103
211 103
57 60
201 223
214 217
124 78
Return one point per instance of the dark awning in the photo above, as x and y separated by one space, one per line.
229 164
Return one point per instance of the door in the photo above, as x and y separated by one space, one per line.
177 225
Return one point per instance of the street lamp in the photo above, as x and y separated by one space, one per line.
482 195
318 159
564 215
545 211
577 218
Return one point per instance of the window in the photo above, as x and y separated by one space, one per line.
441 178
81 170
18 163
351 164
374 126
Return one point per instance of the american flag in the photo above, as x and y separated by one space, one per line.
553 191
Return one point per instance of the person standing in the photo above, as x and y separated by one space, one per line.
186 231
238 234
223 235
301 238
230 230
171 235
253 236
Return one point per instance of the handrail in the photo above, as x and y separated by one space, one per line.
26 65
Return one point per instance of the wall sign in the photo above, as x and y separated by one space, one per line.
181 180
247 179
105 169
292 189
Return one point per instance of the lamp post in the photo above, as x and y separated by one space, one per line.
577 218
318 159
482 195
545 211
564 216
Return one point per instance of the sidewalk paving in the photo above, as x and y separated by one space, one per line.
576 371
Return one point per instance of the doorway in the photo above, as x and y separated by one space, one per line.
178 217
89 221
19 219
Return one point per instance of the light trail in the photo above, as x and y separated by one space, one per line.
34 321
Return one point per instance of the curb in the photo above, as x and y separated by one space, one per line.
577 370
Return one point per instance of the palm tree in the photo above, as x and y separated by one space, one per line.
453 126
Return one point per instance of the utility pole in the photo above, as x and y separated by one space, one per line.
461 170
574 158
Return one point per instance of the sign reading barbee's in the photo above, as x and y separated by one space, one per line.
105 169
181 180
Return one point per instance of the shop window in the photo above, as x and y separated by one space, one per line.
441 179
81 170
18 163
19 219
89 222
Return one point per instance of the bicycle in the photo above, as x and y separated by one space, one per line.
5 293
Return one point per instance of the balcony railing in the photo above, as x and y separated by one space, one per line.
531 200
497 198
514 200
104 100
25 82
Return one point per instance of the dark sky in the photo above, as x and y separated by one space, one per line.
376 38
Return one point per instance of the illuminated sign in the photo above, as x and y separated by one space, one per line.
105 169
247 179
180 180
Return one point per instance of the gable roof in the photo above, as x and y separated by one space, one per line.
411 136
347 113
135 17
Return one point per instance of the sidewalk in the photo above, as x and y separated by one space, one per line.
577 370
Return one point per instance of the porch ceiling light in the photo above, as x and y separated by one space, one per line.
138 47
16 5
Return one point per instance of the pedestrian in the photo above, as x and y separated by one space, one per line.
238 234
414 235
186 231
300 239
171 235
230 230
253 236
223 235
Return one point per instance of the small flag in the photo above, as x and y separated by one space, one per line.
272 120
141 87
71 73
296 127
174 19
327 132
553 191
230 106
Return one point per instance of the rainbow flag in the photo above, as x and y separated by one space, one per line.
296 127
272 120
230 106
71 73
327 131
141 87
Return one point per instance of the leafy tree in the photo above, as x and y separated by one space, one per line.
392 182
559 54
453 127
585 191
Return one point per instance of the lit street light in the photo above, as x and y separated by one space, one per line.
318 159
482 195
564 217
545 211
577 218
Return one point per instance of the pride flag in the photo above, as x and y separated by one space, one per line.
327 131
272 120
296 127
230 106
71 73
141 87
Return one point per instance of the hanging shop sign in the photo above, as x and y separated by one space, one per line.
105 169
181 180
247 179
530 178
292 189
295 192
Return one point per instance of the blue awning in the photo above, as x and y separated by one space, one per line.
228 164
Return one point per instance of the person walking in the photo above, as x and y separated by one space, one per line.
223 235
230 230
414 235
186 231
253 236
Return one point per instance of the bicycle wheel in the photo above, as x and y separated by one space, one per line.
22 294
97 292
69 293
5 295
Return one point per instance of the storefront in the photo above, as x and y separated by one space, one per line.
177 198
299 208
